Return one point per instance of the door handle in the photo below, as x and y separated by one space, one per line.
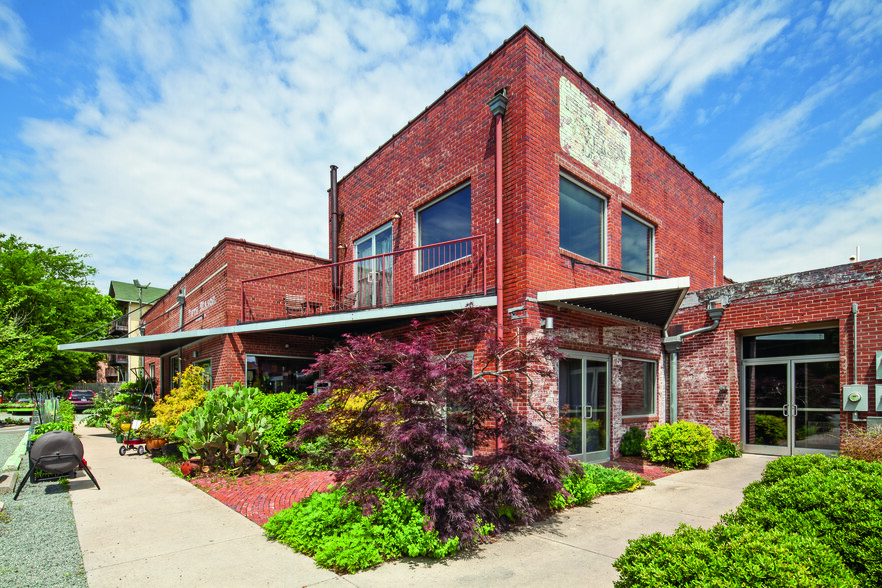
786 410
590 412
795 409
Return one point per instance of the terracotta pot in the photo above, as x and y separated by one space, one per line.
154 444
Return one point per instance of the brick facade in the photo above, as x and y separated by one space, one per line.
712 361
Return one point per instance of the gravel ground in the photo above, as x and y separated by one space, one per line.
39 546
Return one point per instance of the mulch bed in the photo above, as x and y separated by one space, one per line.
641 467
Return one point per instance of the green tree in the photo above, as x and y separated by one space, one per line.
46 299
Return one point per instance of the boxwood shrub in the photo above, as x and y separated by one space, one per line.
836 500
731 555
809 521
684 445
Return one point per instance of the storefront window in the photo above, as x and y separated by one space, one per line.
279 374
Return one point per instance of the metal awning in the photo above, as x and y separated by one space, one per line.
652 303
321 325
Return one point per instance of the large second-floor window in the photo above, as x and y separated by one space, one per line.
637 239
446 219
582 219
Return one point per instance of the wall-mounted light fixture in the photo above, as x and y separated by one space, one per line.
396 216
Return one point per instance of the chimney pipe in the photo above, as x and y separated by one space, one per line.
335 230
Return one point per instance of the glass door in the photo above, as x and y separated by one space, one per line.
791 406
373 277
583 405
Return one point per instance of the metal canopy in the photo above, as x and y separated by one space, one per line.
652 303
150 345
323 325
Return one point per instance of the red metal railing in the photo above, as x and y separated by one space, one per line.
420 274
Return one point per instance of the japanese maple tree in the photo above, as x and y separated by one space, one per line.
409 415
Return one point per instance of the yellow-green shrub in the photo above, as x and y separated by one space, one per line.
188 395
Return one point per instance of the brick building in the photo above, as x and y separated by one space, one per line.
521 189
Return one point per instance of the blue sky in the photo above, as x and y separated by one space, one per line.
141 133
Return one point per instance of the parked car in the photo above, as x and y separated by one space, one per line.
81 399
23 397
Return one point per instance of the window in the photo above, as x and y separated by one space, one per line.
638 387
447 219
279 374
636 246
373 277
581 221
206 376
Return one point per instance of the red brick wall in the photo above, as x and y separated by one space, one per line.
218 301
710 360
453 142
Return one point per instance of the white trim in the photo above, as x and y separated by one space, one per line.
641 287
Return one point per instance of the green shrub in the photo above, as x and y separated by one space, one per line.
338 536
580 490
731 555
632 441
276 407
836 500
769 429
684 445
226 430
725 448
612 480
100 413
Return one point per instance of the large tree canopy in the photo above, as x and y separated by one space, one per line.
46 298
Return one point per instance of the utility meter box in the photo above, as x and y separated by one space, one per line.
855 398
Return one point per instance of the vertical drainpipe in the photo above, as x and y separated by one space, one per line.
672 346
498 105
335 229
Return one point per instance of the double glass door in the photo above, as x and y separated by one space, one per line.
791 405
373 277
584 407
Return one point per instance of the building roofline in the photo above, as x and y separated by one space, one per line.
242 242
526 30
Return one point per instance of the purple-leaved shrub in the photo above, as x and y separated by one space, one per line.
410 414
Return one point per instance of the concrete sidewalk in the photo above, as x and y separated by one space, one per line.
146 527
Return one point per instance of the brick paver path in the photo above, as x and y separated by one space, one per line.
260 496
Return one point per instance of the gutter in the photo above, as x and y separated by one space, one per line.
672 345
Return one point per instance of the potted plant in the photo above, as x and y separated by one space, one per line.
155 436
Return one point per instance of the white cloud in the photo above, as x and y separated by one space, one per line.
228 131
220 118
770 240
661 52
13 41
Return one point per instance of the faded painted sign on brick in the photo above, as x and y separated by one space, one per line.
594 138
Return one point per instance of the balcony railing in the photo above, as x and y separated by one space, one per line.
119 326
116 359
421 274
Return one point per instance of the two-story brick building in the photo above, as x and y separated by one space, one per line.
521 189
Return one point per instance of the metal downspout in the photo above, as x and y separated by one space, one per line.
672 346
335 229
498 105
